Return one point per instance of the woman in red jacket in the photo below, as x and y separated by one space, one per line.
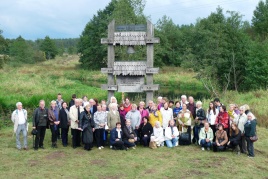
223 118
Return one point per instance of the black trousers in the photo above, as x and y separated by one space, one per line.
39 139
76 138
64 135
213 127
233 144
54 134
99 137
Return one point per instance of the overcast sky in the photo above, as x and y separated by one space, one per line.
34 19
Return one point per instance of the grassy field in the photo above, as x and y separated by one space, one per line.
179 162
30 83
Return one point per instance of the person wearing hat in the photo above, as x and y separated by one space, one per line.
221 139
19 118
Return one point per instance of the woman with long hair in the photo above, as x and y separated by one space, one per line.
212 114
235 138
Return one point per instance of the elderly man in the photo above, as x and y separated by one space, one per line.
40 123
150 105
75 111
59 102
19 118
93 107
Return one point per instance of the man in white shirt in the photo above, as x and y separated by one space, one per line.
19 118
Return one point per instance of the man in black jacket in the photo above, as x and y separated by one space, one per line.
40 123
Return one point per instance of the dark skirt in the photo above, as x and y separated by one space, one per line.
87 136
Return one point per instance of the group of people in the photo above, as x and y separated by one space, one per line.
125 125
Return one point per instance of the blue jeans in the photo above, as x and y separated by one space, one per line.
196 132
171 143
21 128
203 143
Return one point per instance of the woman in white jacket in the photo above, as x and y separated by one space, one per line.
212 114
171 134
158 135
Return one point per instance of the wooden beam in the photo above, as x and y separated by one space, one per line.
153 87
107 70
152 70
109 87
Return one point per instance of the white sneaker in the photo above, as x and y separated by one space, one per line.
202 148
133 148
111 146
100 148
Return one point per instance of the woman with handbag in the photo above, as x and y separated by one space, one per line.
129 135
250 134
100 120
86 125
145 130
185 120
206 137
221 139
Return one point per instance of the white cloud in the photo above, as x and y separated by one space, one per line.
67 18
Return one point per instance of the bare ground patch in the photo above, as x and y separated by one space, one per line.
55 155
98 162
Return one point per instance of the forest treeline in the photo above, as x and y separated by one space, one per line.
225 51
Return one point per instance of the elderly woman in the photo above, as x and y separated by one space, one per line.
250 132
206 137
167 115
53 117
155 115
235 138
65 122
100 120
211 117
129 135
171 134
116 137
135 117
113 116
231 113
240 121
145 131
144 112
200 119
185 120
221 139
86 125
158 135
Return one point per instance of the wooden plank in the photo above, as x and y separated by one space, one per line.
131 27
106 70
153 87
152 70
154 40
109 87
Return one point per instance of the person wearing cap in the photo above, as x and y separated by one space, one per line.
19 118
221 139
